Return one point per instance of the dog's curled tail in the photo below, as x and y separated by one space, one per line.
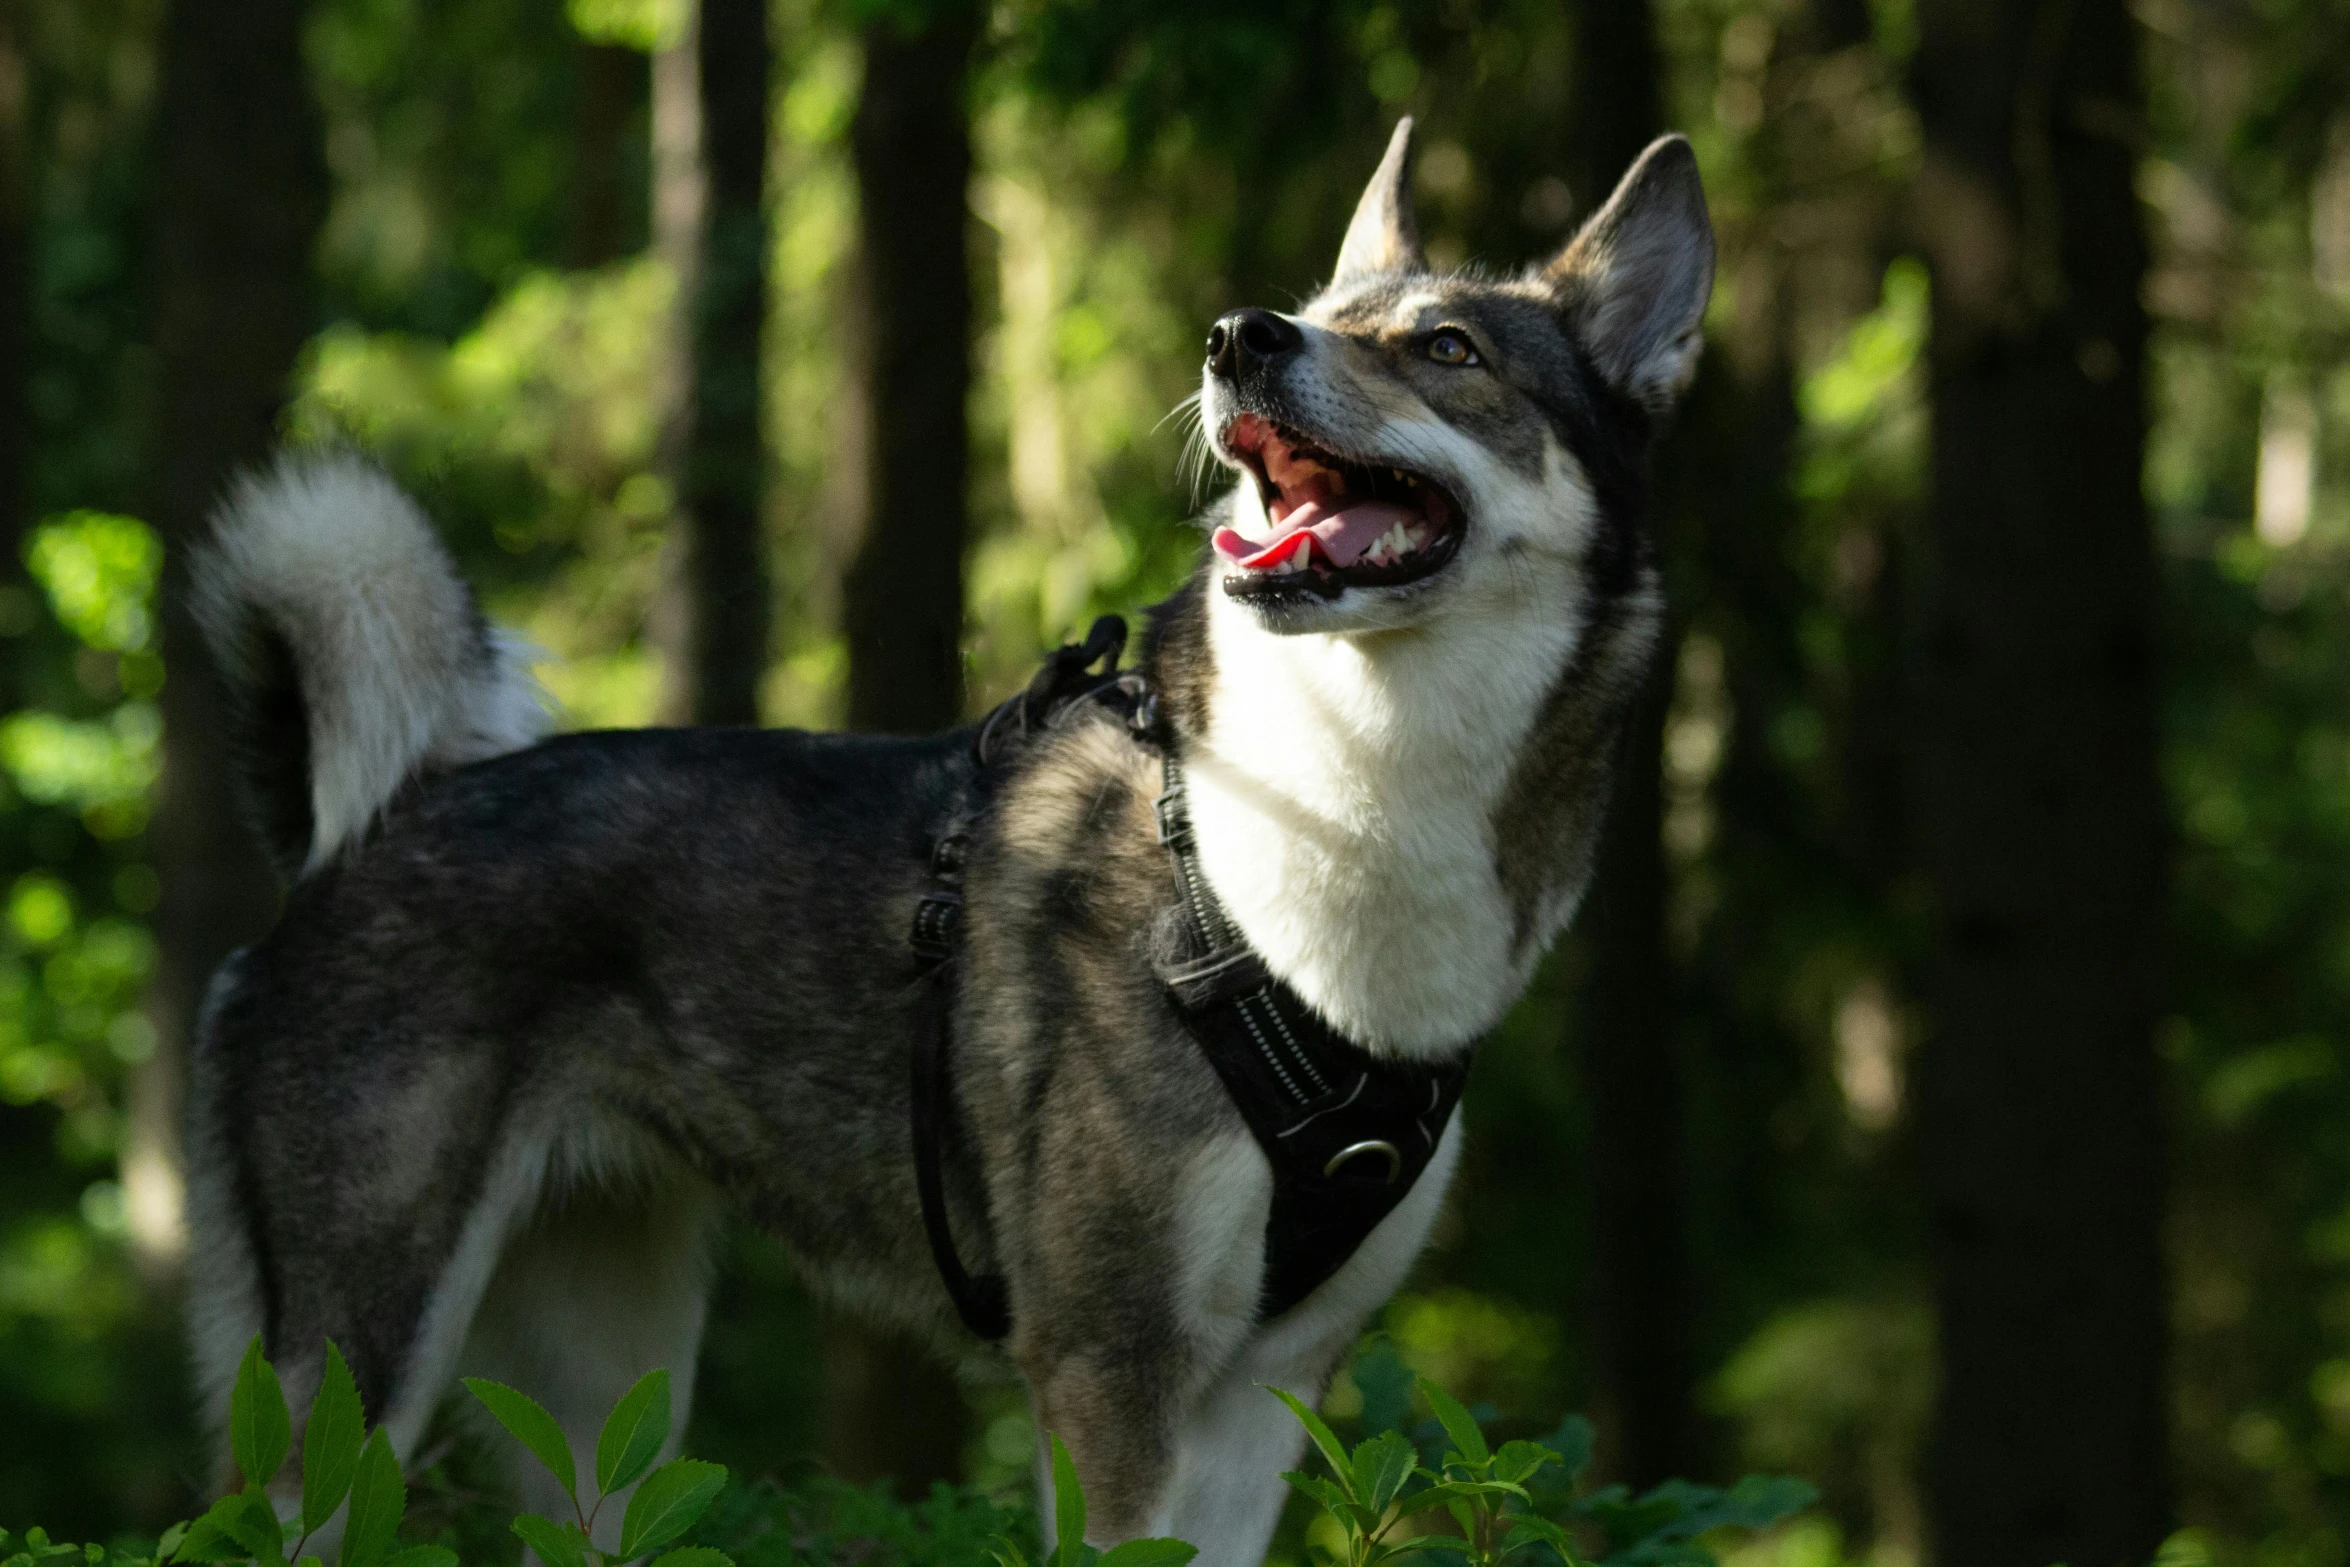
354 657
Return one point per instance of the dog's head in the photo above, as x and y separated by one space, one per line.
1413 440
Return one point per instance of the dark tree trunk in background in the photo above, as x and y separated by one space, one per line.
612 84
721 548
16 297
1631 1061
890 1410
240 191
902 602
2039 1117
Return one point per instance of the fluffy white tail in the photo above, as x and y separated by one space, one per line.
355 657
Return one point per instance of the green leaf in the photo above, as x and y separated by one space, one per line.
330 1443
209 1538
1443 1542
378 1497
1529 1531
253 1522
694 1556
259 1429
163 1547
1572 1441
555 1544
530 1424
1440 1494
1324 1438
667 1503
1517 1461
418 1556
1068 1507
1759 1501
1467 1440
1145 1553
633 1435
1332 1499
1386 1385
1381 1466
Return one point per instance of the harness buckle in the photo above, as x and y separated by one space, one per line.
946 857
938 920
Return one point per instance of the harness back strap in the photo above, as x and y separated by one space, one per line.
1067 678
1347 1132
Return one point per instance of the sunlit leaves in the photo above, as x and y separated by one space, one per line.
100 573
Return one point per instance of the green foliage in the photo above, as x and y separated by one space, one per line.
1516 1501
1070 1548
338 1467
665 1504
818 1521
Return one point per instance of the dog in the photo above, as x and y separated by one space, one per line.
537 1005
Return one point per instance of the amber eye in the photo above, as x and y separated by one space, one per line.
1451 348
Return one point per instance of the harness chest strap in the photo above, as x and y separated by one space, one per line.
1346 1132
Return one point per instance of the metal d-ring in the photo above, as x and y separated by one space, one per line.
1375 1145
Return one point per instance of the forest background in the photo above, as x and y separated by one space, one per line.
1946 1095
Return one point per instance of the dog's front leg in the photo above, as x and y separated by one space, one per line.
1112 1413
1234 1437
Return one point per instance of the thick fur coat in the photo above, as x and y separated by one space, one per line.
536 1006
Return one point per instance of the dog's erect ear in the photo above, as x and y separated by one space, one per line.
1383 237
1635 279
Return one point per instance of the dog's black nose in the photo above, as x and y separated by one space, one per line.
1246 339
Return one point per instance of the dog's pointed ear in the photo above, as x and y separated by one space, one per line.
1383 237
1634 280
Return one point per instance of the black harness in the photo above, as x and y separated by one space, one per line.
1347 1132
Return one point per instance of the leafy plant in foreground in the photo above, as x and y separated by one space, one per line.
34 1548
1506 1502
665 1505
337 1466
1069 1547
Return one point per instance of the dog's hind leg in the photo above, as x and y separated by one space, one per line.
605 1283
225 1291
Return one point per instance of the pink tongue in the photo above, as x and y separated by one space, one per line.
1339 537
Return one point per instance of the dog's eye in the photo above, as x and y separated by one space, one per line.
1451 348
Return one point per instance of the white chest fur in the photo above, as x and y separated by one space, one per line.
1344 797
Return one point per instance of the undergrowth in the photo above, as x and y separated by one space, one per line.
1434 1487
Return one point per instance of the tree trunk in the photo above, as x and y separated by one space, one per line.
719 562
902 602
1631 1058
16 300
612 86
890 1410
241 190
2038 1111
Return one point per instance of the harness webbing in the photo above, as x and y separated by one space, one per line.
1347 1132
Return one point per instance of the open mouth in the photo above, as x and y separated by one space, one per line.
1337 523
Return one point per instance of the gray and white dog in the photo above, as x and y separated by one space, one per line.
537 1005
